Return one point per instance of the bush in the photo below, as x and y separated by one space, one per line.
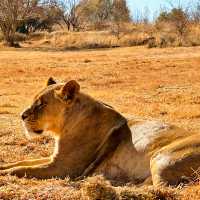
152 43
20 37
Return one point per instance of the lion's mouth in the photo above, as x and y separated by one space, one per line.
31 130
38 131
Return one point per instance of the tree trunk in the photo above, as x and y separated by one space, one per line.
9 36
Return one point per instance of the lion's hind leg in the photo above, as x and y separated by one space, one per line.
168 169
27 163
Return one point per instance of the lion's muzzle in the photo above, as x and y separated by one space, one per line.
25 114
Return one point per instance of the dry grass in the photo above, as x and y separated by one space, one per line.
150 83
160 35
138 35
167 37
86 40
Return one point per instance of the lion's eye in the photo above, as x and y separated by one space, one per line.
39 103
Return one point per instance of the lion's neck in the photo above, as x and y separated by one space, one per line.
83 136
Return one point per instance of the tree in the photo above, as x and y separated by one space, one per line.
48 14
120 15
70 13
120 11
146 14
102 12
177 17
12 14
196 13
95 12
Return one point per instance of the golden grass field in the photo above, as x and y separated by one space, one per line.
148 83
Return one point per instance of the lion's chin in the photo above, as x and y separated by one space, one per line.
29 133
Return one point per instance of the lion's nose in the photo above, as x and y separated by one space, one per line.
24 115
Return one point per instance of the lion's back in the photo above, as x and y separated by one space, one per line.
153 135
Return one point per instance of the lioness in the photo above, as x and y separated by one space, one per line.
93 138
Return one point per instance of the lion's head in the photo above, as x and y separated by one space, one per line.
49 107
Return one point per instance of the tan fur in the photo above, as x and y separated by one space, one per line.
92 138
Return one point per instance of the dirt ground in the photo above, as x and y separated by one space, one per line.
149 83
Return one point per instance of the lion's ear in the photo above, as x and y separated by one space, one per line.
51 81
69 90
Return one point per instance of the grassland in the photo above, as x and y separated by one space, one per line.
150 83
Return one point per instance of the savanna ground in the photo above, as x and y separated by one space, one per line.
147 83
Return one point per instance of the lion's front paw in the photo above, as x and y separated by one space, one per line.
5 166
20 172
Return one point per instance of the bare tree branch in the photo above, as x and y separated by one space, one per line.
12 14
